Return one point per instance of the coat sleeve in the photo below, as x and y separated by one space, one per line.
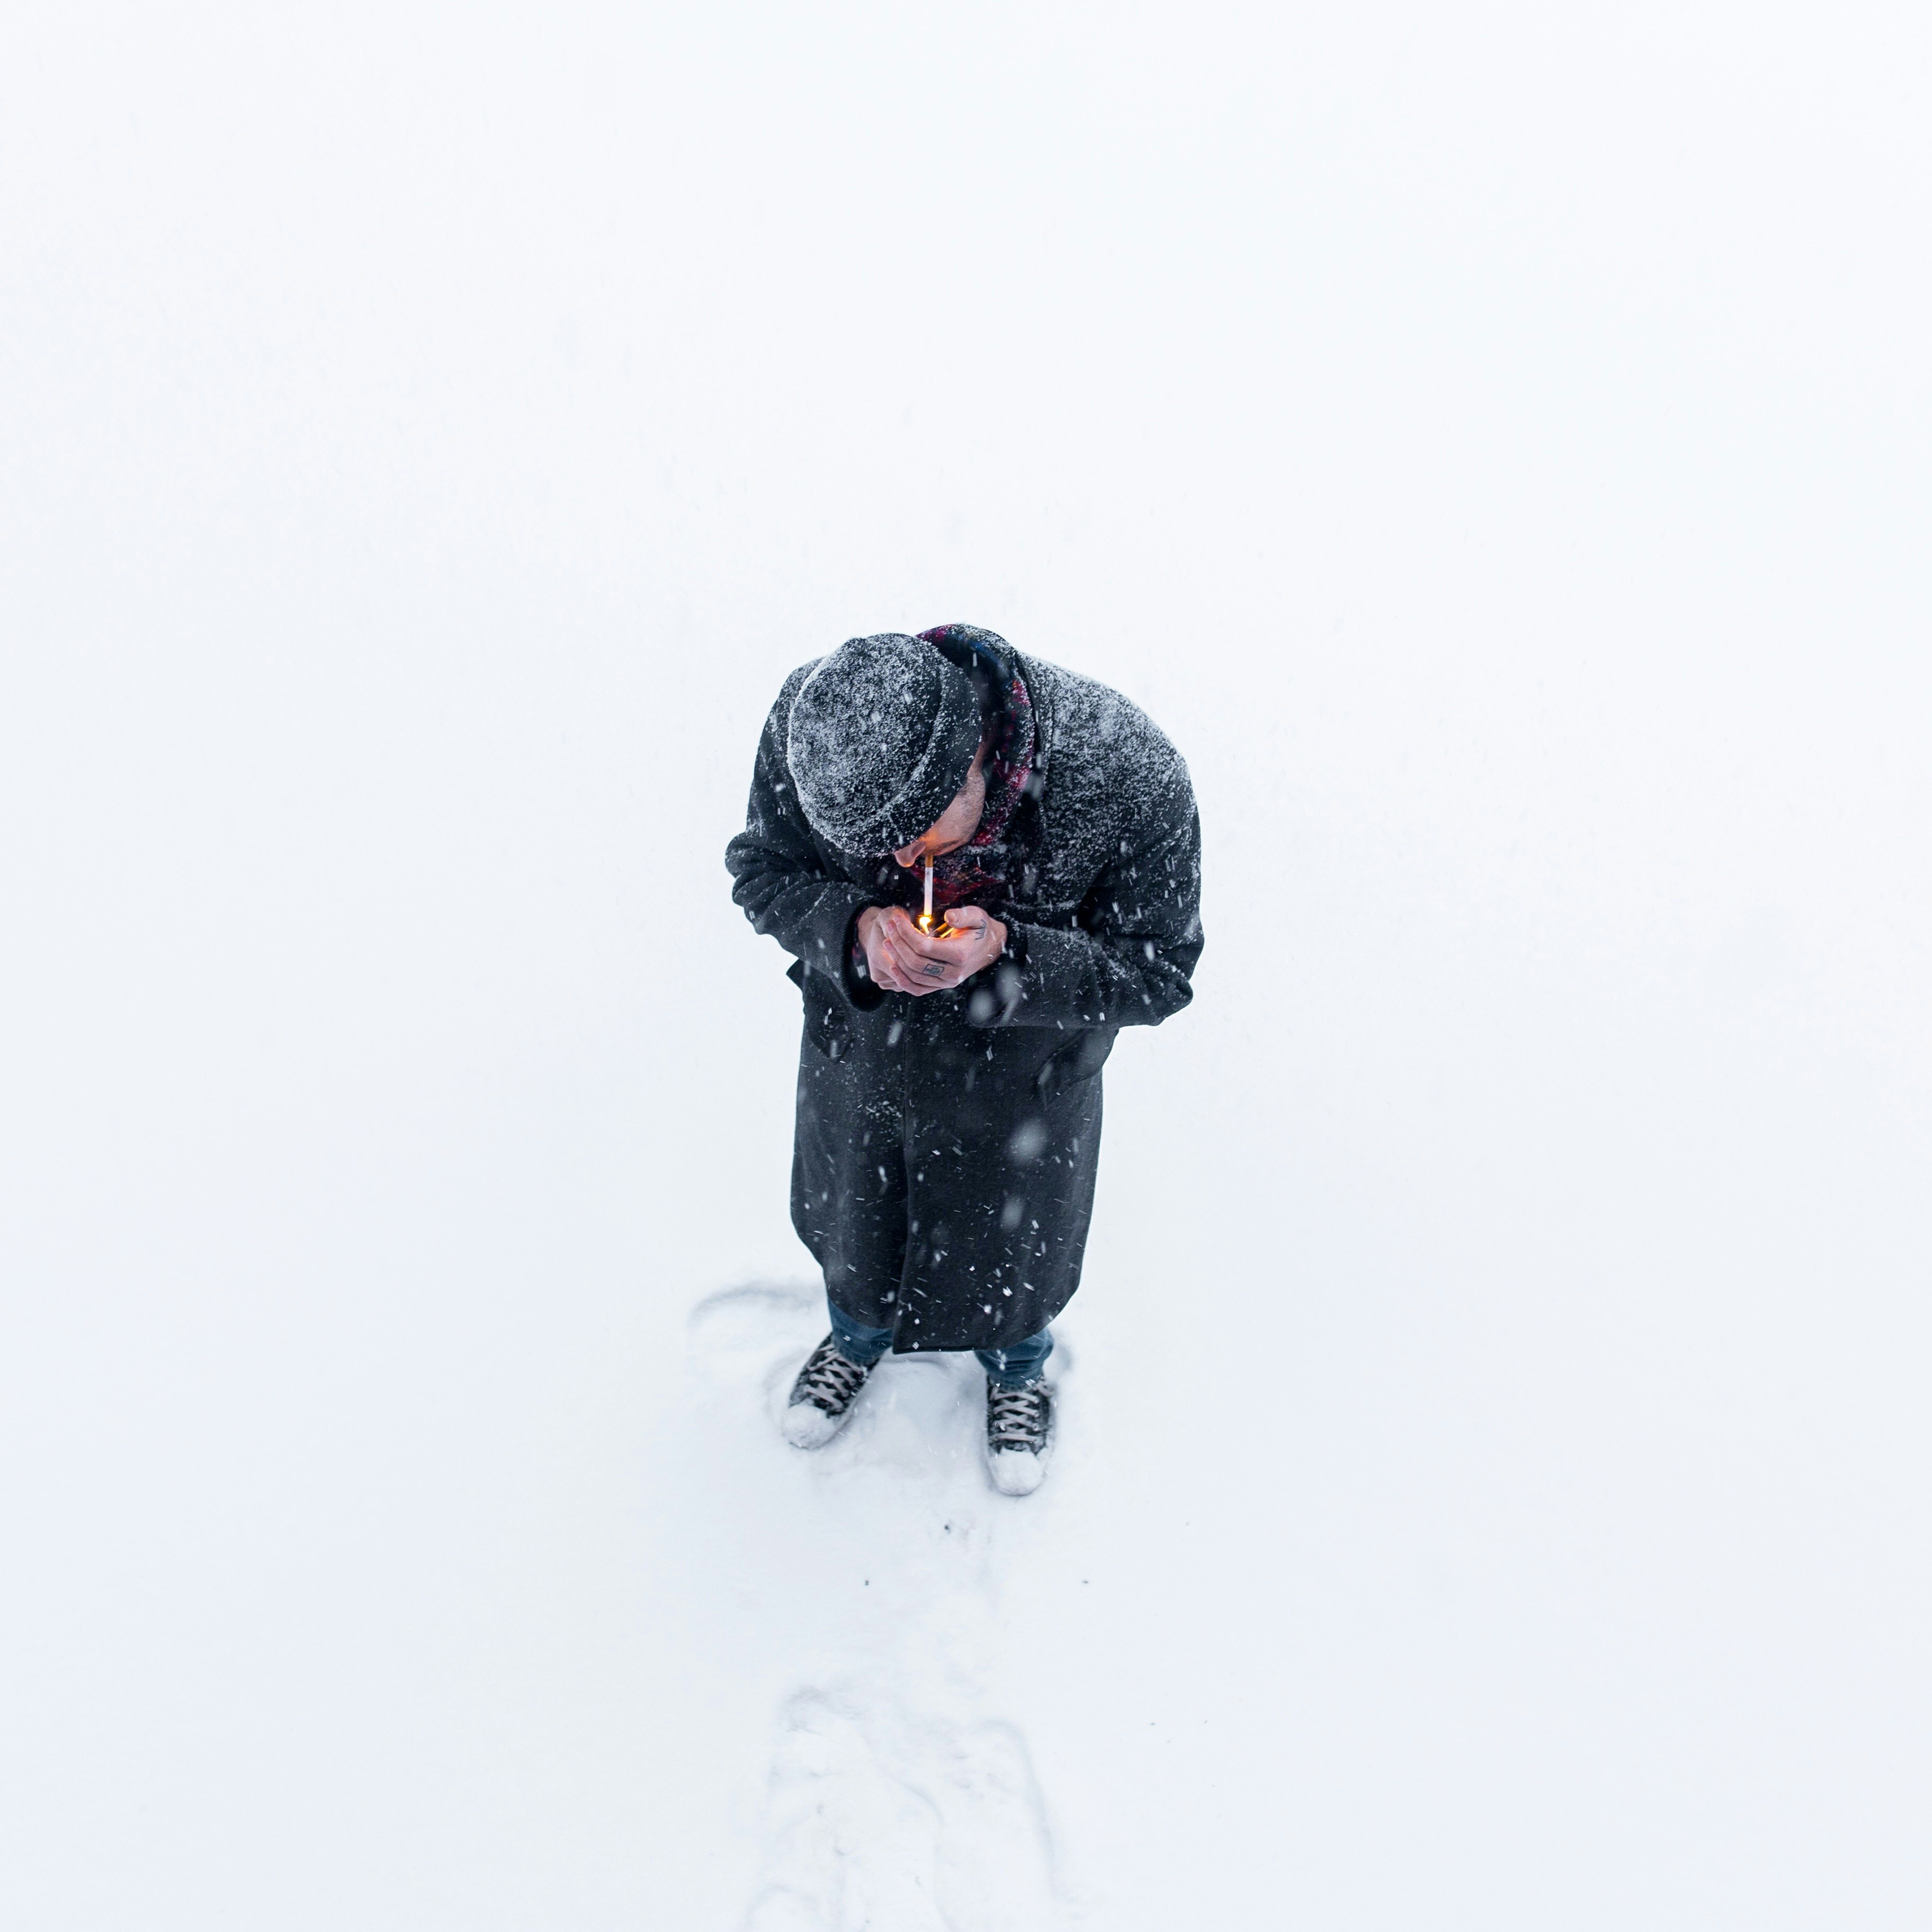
1128 960
779 878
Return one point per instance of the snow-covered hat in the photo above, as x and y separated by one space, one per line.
883 736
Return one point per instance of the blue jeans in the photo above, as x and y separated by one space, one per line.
1011 1368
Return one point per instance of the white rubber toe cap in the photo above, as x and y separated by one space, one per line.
806 1426
1017 1472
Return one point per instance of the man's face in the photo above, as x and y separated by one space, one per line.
956 824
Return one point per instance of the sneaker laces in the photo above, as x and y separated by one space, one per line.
1016 1418
829 1380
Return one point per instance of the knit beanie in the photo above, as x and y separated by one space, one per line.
882 735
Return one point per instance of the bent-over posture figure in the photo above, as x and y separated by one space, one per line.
949 1083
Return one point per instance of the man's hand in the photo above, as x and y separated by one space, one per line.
903 959
883 932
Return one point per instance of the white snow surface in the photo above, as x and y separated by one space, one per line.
1493 1459
901 1790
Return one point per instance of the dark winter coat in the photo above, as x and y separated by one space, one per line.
947 1145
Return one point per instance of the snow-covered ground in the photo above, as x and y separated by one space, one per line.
1493 1479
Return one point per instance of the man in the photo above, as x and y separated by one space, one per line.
948 1088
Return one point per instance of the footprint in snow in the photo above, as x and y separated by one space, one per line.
897 1799
880 1819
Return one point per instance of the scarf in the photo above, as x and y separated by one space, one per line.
977 872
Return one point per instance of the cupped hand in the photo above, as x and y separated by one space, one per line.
886 932
975 941
903 959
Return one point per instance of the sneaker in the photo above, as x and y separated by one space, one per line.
1019 1431
822 1397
